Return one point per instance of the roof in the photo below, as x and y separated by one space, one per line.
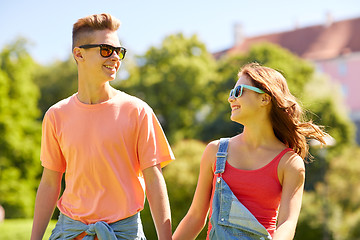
317 42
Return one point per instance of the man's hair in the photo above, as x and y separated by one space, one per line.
84 27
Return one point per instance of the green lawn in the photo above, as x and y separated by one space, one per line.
20 229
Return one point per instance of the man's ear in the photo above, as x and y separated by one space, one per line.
78 54
265 99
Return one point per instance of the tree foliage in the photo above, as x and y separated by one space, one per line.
181 178
56 81
174 80
19 130
188 91
325 101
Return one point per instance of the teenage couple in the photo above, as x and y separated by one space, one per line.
111 148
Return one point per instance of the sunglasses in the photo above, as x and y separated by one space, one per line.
107 50
238 90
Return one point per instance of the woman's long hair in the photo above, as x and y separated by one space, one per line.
286 115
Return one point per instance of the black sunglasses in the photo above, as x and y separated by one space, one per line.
107 50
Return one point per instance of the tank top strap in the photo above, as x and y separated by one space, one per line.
221 155
277 159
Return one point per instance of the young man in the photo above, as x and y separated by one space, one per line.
110 146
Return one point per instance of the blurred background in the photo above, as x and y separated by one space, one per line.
183 58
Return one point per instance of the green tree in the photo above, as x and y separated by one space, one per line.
311 224
327 108
324 99
19 130
181 179
341 189
56 82
332 208
173 79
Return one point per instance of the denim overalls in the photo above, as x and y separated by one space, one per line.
129 228
230 219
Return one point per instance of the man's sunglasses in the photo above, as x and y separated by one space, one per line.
238 90
107 50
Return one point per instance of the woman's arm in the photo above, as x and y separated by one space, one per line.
195 219
292 179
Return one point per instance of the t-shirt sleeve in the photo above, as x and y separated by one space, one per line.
51 156
153 147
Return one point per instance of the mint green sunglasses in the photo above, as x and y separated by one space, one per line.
238 90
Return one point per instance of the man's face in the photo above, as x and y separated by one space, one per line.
99 67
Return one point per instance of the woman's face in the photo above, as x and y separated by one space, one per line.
245 108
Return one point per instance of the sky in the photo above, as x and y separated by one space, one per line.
47 24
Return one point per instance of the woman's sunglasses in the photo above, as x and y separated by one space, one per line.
238 90
107 50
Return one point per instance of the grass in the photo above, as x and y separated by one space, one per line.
20 229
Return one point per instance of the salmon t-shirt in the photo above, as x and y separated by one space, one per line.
103 148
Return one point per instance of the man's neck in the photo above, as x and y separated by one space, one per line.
90 94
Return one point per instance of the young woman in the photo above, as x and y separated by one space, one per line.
253 182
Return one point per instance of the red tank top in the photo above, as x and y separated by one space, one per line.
258 190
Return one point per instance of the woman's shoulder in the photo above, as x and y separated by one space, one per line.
212 147
209 156
292 159
292 164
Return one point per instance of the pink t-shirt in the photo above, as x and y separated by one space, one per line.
103 148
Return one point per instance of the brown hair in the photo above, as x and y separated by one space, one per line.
286 115
83 28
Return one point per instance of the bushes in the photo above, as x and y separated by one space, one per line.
181 179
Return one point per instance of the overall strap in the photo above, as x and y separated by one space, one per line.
221 155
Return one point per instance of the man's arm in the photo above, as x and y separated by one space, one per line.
158 200
46 198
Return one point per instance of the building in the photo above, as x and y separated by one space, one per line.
334 47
